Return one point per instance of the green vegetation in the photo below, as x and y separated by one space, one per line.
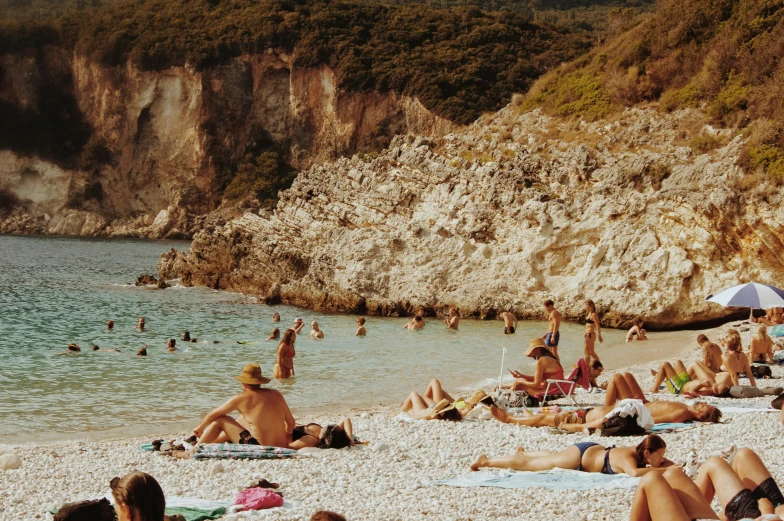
260 174
723 55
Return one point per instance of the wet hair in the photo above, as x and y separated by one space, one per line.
651 443
141 319
732 341
276 315
334 437
186 336
417 319
707 413
702 339
596 364
74 348
549 303
95 347
287 336
110 324
171 343
326 515
275 333
142 351
361 321
452 415
314 323
591 305
142 494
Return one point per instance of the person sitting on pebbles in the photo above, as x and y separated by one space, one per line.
773 317
265 412
761 346
547 367
693 382
329 437
361 331
316 333
415 323
587 457
711 354
437 404
734 360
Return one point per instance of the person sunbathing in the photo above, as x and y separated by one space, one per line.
761 346
711 353
745 490
435 404
587 457
593 418
773 317
679 380
329 437
138 497
547 367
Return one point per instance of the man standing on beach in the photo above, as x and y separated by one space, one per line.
269 420
553 330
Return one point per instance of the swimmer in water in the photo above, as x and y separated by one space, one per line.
109 325
276 317
98 349
275 334
452 321
361 331
186 336
140 325
316 332
171 345
298 325
72 349
415 323
142 351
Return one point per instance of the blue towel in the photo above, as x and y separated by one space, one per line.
556 479
669 427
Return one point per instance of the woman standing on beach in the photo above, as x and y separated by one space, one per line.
592 331
284 367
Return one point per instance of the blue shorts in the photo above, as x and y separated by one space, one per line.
548 339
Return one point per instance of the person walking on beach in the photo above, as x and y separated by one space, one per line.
316 333
711 354
592 331
452 321
553 334
361 331
269 420
510 322
284 367
298 325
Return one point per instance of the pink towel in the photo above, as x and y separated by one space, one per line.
258 499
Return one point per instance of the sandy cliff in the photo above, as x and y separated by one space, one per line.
172 134
514 210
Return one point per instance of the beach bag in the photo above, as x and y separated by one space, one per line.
509 398
621 426
258 499
761 371
93 510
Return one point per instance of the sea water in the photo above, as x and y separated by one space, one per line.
55 291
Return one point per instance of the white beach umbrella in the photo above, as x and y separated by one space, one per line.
752 295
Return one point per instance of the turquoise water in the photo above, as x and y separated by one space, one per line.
54 291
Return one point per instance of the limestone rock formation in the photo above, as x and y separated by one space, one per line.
512 211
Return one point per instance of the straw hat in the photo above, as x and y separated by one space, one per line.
443 406
537 343
251 375
477 397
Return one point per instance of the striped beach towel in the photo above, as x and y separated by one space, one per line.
235 450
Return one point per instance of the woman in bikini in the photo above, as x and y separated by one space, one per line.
734 360
284 367
587 457
592 331
673 496
547 367
761 347
437 404
329 437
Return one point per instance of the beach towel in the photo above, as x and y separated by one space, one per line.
192 509
739 409
556 479
581 375
671 427
235 450
777 330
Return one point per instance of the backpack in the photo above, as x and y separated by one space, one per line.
508 398
761 371
621 426
93 510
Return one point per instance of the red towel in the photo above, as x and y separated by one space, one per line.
581 375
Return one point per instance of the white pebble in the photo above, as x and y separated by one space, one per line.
10 462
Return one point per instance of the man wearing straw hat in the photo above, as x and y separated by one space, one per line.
267 419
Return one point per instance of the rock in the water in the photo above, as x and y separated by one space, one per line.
10 462
162 284
146 280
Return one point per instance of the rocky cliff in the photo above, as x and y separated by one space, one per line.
516 209
169 138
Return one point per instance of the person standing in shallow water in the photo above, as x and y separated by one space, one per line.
275 334
553 335
592 331
109 325
140 325
415 323
510 322
284 367
316 333
452 321
361 331
276 317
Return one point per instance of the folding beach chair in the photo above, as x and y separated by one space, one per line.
565 388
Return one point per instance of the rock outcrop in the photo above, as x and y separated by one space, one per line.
512 211
173 136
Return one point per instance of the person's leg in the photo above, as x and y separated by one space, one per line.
655 500
665 371
618 389
537 420
225 424
701 372
679 367
590 340
436 393
634 387
416 402
716 478
756 477
689 494
569 458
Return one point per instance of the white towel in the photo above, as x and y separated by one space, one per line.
632 407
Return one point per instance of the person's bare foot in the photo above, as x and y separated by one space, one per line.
480 462
498 414
654 373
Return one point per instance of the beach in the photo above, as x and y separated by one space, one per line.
392 478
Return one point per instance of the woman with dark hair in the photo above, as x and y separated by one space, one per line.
138 497
587 457
284 367
275 334
592 331
329 437
547 366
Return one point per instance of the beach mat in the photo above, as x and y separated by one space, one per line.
192 509
235 450
556 479
738 409
671 427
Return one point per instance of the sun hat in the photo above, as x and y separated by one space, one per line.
251 374
537 343
443 406
477 397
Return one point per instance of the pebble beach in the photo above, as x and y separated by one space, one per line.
390 478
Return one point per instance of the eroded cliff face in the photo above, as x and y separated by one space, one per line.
508 213
173 136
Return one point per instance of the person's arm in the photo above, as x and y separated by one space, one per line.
770 352
289 418
557 326
539 375
674 417
729 366
747 370
629 466
598 327
223 410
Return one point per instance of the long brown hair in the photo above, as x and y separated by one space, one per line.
142 494
732 341
287 337
651 443
591 305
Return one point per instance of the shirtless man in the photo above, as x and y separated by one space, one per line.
415 323
298 325
171 345
268 418
452 321
510 322
592 418
276 317
361 331
773 317
636 332
711 354
679 380
553 334
316 333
